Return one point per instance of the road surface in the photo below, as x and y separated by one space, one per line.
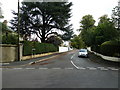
66 70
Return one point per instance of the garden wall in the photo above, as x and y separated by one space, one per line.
9 53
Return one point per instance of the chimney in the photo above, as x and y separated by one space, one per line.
5 22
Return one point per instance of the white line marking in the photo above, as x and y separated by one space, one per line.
81 68
114 69
43 68
92 68
68 68
4 63
74 65
89 60
29 68
110 67
56 68
103 69
72 56
17 68
100 67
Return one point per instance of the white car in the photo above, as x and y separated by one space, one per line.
83 53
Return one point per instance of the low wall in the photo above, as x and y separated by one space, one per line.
63 49
115 59
9 53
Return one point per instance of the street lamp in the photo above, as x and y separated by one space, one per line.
18 31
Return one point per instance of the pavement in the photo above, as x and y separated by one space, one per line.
65 70
29 61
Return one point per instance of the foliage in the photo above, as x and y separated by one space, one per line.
111 48
33 47
103 19
44 19
77 42
87 23
1 16
96 35
57 41
105 32
116 16
9 39
96 48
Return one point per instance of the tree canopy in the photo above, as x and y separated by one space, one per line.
116 15
44 19
77 42
86 24
96 35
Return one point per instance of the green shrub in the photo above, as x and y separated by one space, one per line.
27 48
39 48
110 48
96 48
9 39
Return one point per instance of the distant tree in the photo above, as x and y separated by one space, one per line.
103 19
77 42
44 19
116 15
57 41
105 31
96 35
1 16
87 23
68 34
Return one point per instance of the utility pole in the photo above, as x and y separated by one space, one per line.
119 15
18 31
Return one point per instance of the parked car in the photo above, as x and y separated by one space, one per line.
83 53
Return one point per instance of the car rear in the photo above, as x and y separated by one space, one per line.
83 53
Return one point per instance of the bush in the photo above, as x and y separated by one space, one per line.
96 48
39 48
111 48
9 39
27 48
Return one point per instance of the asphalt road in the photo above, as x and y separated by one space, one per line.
66 70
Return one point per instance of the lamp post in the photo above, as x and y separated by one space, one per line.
18 31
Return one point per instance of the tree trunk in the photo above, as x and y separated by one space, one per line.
43 30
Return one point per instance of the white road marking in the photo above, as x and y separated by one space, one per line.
74 65
92 68
103 69
4 63
89 60
110 67
56 68
81 68
29 68
16 68
68 68
43 68
72 56
114 69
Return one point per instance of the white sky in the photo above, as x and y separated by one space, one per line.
80 8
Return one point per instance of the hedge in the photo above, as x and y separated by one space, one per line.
96 48
9 39
110 48
39 48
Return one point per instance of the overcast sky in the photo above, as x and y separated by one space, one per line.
80 8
